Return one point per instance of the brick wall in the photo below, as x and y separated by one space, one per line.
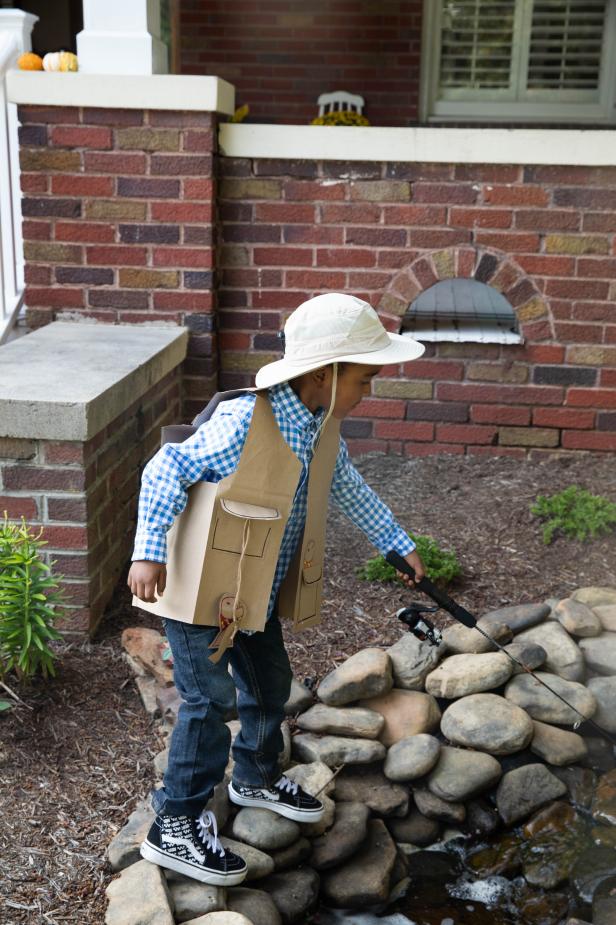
85 497
118 222
544 236
281 56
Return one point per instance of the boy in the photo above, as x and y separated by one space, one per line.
335 346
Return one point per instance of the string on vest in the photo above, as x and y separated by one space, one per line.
238 584
225 637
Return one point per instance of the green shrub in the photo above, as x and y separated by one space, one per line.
574 512
28 603
441 566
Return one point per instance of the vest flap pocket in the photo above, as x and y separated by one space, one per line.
249 511
312 573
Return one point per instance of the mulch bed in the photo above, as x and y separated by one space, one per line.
77 757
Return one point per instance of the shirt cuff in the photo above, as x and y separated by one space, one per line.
400 542
150 547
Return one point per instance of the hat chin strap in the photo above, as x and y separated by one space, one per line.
330 410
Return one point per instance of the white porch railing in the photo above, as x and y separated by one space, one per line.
15 30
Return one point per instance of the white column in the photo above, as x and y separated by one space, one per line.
121 37
20 25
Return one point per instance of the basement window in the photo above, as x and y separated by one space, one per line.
461 311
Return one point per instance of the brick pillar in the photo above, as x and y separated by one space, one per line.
118 223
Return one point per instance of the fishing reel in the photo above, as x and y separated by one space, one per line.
419 625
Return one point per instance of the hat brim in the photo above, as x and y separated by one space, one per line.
401 349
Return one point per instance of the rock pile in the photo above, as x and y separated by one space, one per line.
403 744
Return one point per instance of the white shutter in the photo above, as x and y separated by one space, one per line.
477 39
566 39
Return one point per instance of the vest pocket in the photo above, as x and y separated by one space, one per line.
229 535
309 592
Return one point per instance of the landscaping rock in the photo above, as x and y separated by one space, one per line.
295 893
595 596
564 655
541 704
145 647
263 829
604 801
481 818
349 721
411 758
577 618
139 896
604 692
371 787
364 879
257 905
315 778
161 760
592 868
528 653
365 674
313 829
412 660
406 713
580 783
148 688
460 675
604 903
461 774
343 839
460 640
607 617
600 653
334 750
557 746
300 698
525 789
169 702
192 899
259 863
414 829
552 840
437 808
293 856
517 617
221 918
123 849
488 723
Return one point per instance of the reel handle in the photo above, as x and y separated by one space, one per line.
458 612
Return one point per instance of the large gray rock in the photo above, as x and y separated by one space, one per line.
525 789
334 750
371 787
541 704
437 808
460 675
346 721
461 774
263 829
139 896
528 653
293 856
192 899
607 617
459 639
300 698
123 850
604 902
295 894
518 616
592 868
316 778
364 879
411 661
224 917
557 746
564 655
411 758
313 829
577 618
257 905
343 839
604 692
414 829
488 723
259 863
595 596
600 653
365 674
406 713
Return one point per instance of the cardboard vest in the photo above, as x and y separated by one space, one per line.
224 547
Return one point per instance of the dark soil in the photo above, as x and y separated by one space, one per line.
76 756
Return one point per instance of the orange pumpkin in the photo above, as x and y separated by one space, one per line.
30 62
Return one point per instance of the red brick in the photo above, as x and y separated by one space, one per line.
608 377
315 279
65 298
314 234
481 218
182 211
182 257
540 353
380 408
546 265
438 237
404 430
596 267
81 185
198 141
564 417
114 162
591 398
414 215
432 449
34 182
85 231
495 394
465 433
66 537
434 369
599 221
313 191
592 311
580 440
489 414
81 137
577 288
234 340
18 506
515 195
578 333
72 509
444 192
358 447
345 257
196 301
38 275
282 256
284 212
496 451
53 114
34 477
610 334
277 298
537 331
508 242
547 220
119 255
63 453
357 213
198 189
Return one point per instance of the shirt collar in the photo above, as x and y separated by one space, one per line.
284 399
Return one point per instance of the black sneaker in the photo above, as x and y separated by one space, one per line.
190 846
285 797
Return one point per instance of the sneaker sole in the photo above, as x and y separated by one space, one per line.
289 812
150 853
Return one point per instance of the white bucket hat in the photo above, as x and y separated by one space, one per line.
335 328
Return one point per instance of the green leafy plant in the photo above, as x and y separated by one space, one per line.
441 566
574 512
29 599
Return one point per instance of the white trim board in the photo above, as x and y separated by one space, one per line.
444 145
119 91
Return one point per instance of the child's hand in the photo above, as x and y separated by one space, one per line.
417 565
146 578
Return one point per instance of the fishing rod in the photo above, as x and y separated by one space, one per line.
422 628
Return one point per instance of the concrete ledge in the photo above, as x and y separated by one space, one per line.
68 380
421 145
118 91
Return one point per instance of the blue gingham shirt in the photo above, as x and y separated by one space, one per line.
213 452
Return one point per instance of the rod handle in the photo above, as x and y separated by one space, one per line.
458 612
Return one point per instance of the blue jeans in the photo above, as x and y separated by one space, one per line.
199 748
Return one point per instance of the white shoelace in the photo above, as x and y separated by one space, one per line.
285 783
208 832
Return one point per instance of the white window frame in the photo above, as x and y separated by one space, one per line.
433 109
